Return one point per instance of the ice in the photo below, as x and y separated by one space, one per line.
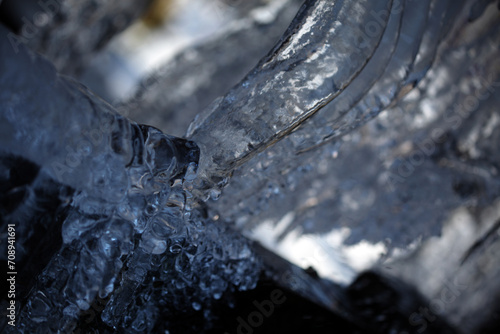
390 62
277 95
201 73
72 39
129 228
162 239
269 179
330 188
131 217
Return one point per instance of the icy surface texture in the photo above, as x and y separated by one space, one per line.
392 182
202 263
297 179
134 243
69 32
311 65
338 66
123 193
201 73
29 194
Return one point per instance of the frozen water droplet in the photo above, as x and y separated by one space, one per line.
161 227
140 322
103 293
245 252
152 245
151 209
140 225
215 194
175 249
196 306
177 198
182 264
71 311
39 307
191 172
160 154
180 284
199 225
82 304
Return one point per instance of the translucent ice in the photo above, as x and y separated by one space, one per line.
128 218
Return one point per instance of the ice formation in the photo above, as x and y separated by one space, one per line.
132 233
147 247
127 236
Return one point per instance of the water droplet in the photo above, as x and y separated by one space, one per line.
152 245
215 194
196 306
151 209
162 228
83 304
175 249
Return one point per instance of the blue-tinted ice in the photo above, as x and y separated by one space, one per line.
134 232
